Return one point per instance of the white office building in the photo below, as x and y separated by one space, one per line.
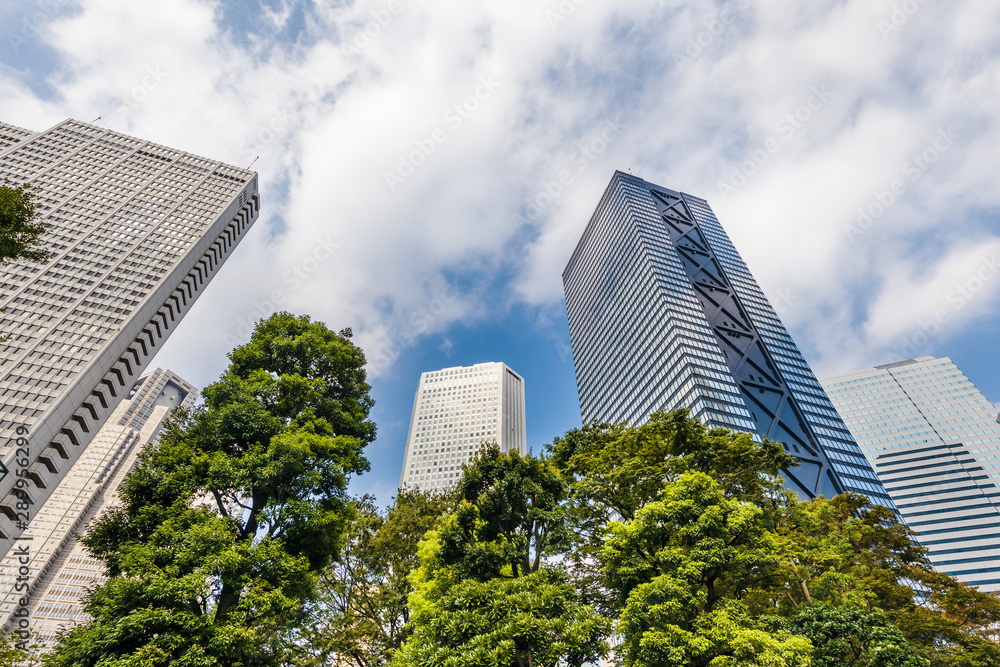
60 571
456 412
136 232
934 441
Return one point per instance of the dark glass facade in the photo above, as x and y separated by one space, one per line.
664 314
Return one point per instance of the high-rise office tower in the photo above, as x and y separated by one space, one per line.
136 232
933 439
59 569
455 412
664 314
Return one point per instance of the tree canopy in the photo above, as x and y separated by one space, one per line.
224 524
485 593
20 232
361 616
662 545
719 565
852 636
681 569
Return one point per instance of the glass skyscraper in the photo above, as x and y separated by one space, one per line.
455 412
136 232
934 441
664 314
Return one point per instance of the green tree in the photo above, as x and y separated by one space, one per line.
11 655
956 625
225 523
853 637
617 469
849 553
721 596
487 592
614 470
680 569
19 231
361 616
846 551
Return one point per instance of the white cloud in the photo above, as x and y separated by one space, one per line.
921 300
440 247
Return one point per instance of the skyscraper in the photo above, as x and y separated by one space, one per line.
136 232
59 569
664 314
933 439
455 412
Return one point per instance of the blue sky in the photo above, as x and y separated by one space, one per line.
410 154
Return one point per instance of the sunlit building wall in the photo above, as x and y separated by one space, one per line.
457 411
136 232
934 441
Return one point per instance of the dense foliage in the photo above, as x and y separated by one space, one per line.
681 571
612 471
487 592
20 232
663 545
225 524
719 565
361 616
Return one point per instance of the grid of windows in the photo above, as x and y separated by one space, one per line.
933 439
136 230
667 356
60 570
643 338
456 412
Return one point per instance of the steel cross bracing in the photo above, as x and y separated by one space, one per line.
767 396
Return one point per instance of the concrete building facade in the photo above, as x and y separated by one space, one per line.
59 570
456 411
136 232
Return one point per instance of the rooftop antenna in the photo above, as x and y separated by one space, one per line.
252 163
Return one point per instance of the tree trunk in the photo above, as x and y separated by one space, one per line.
231 592
802 583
